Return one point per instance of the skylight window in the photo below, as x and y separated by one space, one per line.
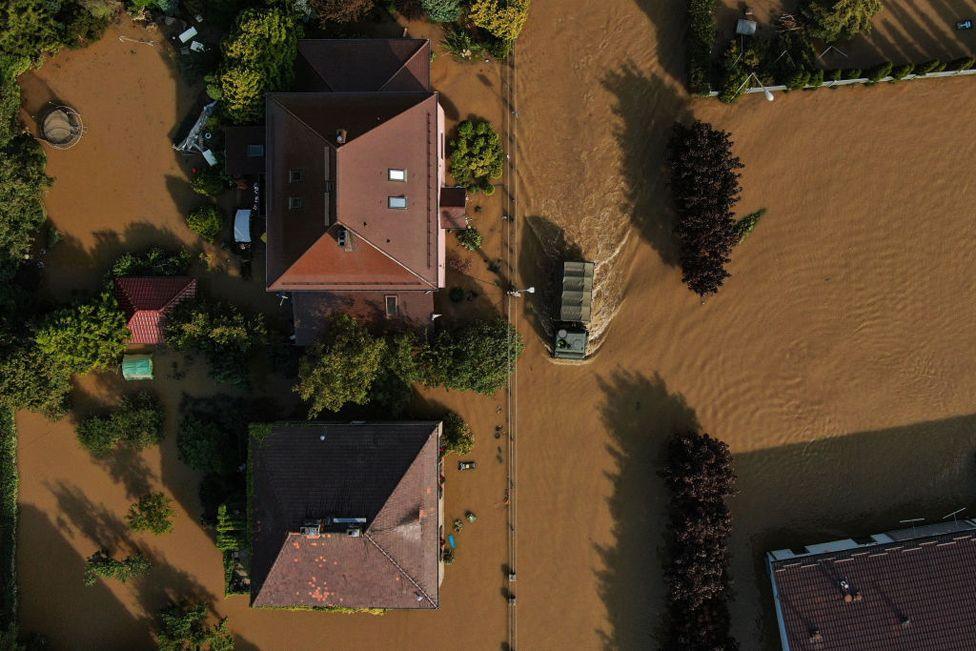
398 175
398 203
294 203
255 151
294 176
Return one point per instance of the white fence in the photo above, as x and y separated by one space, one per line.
861 80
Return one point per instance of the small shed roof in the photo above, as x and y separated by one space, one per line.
577 295
147 299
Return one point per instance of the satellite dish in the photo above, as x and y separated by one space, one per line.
561 334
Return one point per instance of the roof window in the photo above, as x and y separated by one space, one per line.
397 174
398 203
294 176
294 203
255 151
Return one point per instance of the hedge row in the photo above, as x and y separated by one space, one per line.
701 37
8 519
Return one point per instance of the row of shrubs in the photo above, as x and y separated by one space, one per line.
8 520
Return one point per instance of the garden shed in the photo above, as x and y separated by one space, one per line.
137 367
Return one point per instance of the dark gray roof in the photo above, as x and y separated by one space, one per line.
386 473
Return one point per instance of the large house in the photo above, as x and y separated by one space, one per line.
346 515
354 171
904 589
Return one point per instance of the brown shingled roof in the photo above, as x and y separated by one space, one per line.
914 594
386 473
371 64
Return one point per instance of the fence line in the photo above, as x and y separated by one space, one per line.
859 80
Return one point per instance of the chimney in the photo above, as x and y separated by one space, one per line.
341 135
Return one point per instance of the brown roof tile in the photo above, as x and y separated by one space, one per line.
342 65
384 472
146 300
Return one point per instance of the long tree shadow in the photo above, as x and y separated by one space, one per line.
640 412
851 485
646 108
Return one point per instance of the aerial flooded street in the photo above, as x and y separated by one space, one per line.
837 361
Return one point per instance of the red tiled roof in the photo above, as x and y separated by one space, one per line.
914 594
146 300
386 473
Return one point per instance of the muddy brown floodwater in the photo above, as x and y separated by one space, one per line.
838 361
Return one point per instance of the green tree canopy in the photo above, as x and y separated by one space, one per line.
86 337
341 11
221 332
442 11
475 357
29 380
477 156
102 564
258 58
340 368
154 261
457 436
503 18
840 20
184 627
136 423
153 512
206 221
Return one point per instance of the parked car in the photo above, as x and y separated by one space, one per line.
467 465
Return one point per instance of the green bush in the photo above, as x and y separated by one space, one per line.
853 73
457 436
341 368
474 357
502 18
392 387
816 79
201 444
735 75
30 380
87 337
102 565
836 74
840 20
470 238
184 626
210 181
81 27
902 71
206 221
798 80
258 58
476 154
136 423
221 332
880 71
965 63
930 66
153 512
29 28
22 185
459 42
442 11
154 261
699 42
747 224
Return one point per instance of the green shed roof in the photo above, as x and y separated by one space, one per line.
137 367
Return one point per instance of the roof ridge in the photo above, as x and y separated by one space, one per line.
402 571
301 121
179 295
427 95
402 66
386 253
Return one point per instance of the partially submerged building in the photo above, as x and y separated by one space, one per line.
346 515
147 300
905 589
354 168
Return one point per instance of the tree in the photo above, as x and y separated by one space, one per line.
101 564
341 11
29 28
22 184
699 477
154 261
231 529
457 435
470 238
442 11
136 423
502 18
840 20
29 380
477 156
705 187
340 368
219 331
257 59
86 337
184 627
206 446
392 387
153 512
210 181
476 357
206 221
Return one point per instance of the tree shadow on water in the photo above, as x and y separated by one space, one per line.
640 413
646 109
